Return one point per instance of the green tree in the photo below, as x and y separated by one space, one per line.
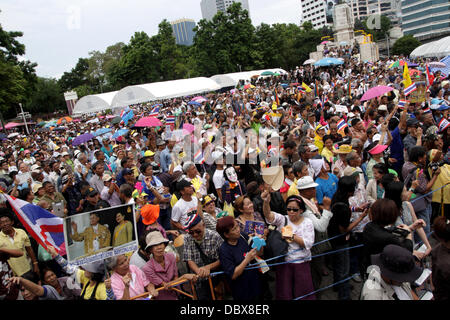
227 43
17 78
47 97
405 45
78 76
379 34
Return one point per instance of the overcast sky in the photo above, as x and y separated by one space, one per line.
58 32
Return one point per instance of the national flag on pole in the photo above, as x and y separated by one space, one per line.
305 86
402 104
349 89
410 89
154 112
430 76
277 100
170 119
316 89
443 125
341 125
198 157
46 228
301 90
406 77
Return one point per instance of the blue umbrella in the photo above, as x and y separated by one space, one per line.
82 138
50 124
285 85
101 131
325 62
195 103
119 133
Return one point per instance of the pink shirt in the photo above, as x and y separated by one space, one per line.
157 275
137 284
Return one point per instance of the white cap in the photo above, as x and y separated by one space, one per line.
376 137
306 182
312 147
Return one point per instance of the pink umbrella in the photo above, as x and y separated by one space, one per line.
76 120
198 97
188 127
323 42
110 116
201 100
12 125
375 92
148 122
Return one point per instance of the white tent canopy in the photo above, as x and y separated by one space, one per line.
163 90
232 79
94 103
439 48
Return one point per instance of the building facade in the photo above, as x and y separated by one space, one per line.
211 7
183 31
425 18
363 8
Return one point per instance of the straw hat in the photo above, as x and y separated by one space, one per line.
274 176
345 148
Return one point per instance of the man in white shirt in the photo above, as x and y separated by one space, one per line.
185 206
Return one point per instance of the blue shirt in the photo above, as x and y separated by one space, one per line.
165 159
326 188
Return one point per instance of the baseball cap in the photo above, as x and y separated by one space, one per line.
149 153
412 122
91 192
312 147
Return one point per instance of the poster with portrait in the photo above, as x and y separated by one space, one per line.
418 95
100 234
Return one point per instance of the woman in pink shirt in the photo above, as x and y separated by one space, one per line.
127 280
161 269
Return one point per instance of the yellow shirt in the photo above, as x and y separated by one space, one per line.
21 264
328 154
442 179
318 143
100 294
293 191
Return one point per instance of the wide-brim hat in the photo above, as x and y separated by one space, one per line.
306 182
397 263
344 149
274 176
154 238
95 267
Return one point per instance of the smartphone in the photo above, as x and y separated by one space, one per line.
58 209
425 274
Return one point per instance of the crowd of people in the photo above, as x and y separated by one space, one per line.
364 181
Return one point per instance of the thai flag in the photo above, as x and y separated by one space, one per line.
426 110
154 112
170 120
198 157
341 125
430 76
252 102
301 89
370 64
402 104
43 226
410 89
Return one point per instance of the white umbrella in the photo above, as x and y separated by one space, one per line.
12 135
309 61
437 64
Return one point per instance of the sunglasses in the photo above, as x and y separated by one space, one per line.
292 209
192 232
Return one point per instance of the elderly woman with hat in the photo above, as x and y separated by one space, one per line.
127 280
161 269
91 277
338 167
391 274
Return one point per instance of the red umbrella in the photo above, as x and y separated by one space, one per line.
414 72
148 122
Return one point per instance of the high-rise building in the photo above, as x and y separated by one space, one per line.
183 31
211 7
318 12
363 8
425 19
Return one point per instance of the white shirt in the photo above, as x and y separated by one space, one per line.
218 179
182 209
